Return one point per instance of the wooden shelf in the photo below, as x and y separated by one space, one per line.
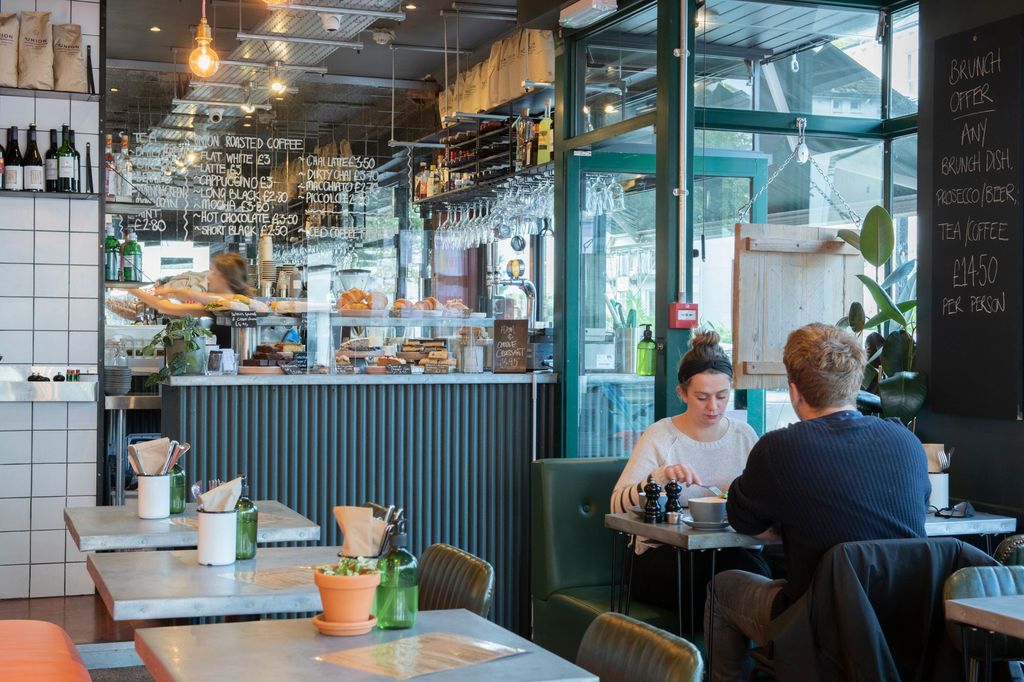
125 208
75 196
125 285
50 94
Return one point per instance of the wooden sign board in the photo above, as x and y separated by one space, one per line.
977 214
785 277
511 343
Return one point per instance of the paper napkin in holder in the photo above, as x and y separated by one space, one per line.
223 497
152 455
359 531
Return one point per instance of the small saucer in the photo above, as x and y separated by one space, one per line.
343 629
706 525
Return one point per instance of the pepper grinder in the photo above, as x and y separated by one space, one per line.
652 510
672 492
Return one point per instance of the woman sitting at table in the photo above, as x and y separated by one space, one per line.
698 447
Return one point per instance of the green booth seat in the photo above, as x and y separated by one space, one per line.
571 552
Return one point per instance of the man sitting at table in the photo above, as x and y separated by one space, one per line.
835 476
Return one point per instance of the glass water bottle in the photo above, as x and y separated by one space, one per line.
646 354
245 544
398 593
177 489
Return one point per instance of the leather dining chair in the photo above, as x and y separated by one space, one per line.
1010 551
618 648
453 579
984 581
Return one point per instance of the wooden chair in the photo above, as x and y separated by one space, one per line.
453 579
618 648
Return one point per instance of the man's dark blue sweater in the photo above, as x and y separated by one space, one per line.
839 478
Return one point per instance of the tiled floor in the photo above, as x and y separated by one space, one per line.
84 618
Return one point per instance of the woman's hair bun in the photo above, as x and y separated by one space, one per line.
705 338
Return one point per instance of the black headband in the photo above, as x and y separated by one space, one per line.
689 369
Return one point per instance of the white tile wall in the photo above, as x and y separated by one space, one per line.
16 446
14 548
14 582
49 284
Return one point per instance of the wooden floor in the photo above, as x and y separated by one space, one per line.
84 618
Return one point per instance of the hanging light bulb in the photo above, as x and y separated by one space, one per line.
248 107
277 84
203 61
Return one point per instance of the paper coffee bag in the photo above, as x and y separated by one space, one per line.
35 51
68 63
8 50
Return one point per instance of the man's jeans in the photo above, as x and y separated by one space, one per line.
743 608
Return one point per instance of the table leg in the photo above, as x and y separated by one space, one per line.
629 583
710 634
613 593
966 657
693 627
988 544
119 432
679 589
988 657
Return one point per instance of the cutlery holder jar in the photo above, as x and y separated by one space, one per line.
218 533
154 496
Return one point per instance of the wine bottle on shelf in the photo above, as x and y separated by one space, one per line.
2 153
65 163
109 174
14 174
111 255
51 163
78 164
131 260
545 136
35 176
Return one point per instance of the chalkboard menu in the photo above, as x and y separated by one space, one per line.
977 218
511 338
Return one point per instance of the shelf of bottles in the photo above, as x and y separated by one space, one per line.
476 159
57 174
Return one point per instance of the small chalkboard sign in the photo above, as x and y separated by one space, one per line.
436 369
291 369
243 318
301 359
511 343
398 369
345 369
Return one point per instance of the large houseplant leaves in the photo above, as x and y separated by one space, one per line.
877 237
897 353
903 395
887 309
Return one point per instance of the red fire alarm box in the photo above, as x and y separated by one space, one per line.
682 315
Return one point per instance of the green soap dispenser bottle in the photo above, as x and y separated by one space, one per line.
398 592
646 360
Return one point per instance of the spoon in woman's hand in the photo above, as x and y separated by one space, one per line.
714 489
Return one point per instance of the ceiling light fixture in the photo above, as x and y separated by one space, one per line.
154 29
203 61
114 90
214 103
277 84
409 6
282 38
247 125
249 107
609 108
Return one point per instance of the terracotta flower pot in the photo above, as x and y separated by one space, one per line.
346 598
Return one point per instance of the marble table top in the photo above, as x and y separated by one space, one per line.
996 614
684 537
142 585
119 527
274 650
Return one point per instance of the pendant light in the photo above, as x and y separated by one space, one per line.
277 84
203 61
249 107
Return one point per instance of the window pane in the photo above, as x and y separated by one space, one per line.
904 209
793 58
903 73
617 289
619 72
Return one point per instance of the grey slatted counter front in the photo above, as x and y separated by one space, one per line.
454 451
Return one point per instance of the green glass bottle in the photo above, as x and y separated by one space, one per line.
177 489
398 594
131 260
111 256
65 163
245 544
646 358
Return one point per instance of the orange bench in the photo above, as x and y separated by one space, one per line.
36 651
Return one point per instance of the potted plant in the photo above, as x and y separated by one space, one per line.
347 589
183 351
891 373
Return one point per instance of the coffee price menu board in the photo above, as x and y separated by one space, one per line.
976 291
243 187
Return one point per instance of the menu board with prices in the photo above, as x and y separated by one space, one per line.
977 220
